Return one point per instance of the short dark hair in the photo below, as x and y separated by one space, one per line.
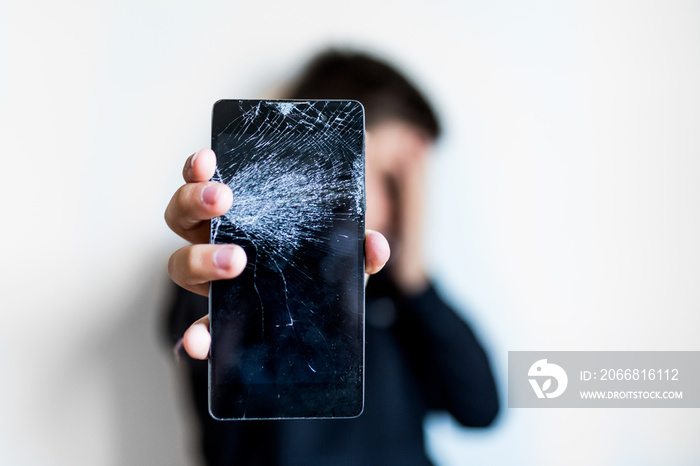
383 91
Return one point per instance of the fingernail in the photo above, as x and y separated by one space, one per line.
223 257
192 159
209 193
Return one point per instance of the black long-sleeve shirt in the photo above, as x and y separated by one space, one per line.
420 356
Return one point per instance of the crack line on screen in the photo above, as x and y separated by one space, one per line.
285 206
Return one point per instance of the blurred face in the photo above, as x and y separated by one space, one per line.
395 154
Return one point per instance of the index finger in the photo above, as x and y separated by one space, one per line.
193 205
198 200
199 166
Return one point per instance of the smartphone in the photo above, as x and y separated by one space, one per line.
288 333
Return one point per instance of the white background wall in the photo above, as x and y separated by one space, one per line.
564 207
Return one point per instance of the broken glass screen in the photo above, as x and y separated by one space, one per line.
288 334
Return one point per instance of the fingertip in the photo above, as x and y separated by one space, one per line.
200 166
197 341
226 197
215 198
377 251
240 260
205 156
230 260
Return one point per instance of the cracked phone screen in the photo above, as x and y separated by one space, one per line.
288 333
